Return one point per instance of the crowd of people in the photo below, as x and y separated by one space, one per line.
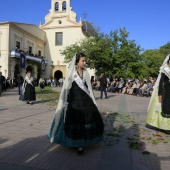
13 82
131 86
26 85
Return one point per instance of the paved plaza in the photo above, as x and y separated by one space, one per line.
24 144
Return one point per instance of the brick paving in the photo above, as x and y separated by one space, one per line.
24 144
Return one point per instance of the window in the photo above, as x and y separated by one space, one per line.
64 6
30 50
18 45
39 53
58 38
56 6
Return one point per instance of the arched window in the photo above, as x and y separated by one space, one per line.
64 6
56 6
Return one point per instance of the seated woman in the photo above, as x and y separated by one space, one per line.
142 89
111 87
127 85
130 89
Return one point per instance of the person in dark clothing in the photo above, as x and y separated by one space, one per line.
29 89
2 82
19 81
103 86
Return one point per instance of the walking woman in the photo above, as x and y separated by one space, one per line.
159 107
42 83
29 89
77 122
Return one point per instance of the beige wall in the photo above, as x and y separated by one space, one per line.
26 39
9 34
4 49
70 36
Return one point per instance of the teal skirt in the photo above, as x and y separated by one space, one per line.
61 138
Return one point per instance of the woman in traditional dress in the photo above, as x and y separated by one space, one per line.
29 89
159 106
42 83
77 122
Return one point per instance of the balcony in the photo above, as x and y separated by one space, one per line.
16 54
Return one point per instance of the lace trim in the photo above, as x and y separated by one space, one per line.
166 70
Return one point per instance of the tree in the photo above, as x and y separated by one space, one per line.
152 60
165 49
110 53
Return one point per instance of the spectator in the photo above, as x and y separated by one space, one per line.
2 82
131 89
19 81
60 82
142 89
103 86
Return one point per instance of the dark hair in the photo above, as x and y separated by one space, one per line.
28 72
78 56
168 60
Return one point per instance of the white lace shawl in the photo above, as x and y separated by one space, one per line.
62 104
27 80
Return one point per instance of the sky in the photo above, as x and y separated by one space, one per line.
147 21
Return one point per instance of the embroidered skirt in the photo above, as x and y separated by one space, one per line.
83 123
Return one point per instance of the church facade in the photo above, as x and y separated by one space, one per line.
41 45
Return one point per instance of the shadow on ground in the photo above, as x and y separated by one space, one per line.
123 148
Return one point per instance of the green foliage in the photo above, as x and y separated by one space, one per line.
165 49
152 60
114 54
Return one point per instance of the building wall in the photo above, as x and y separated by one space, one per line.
70 36
26 39
4 49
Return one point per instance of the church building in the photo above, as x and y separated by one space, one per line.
26 47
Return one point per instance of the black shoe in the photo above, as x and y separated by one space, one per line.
31 103
28 102
80 150
166 132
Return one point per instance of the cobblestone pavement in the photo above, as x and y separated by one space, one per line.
128 143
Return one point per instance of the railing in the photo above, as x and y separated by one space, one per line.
16 54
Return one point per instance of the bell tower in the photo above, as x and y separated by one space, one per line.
60 6
60 9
